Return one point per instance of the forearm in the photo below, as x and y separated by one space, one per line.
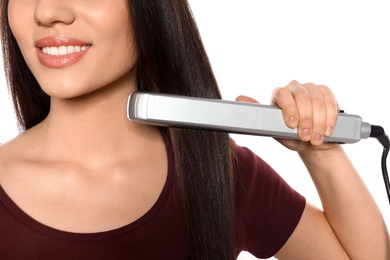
348 205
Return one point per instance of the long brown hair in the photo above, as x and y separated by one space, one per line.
171 59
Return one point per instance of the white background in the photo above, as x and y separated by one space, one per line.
256 46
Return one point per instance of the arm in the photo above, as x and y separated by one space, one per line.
351 225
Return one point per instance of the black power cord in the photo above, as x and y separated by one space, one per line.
379 133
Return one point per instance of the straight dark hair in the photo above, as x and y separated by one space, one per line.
172 59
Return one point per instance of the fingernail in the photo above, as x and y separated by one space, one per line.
318 137
306 132
293 121
328 130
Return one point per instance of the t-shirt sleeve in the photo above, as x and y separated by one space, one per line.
268 209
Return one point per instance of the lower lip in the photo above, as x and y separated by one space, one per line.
56 62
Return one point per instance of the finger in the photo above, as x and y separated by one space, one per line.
304 108
319 113
284 98
243 98
331 109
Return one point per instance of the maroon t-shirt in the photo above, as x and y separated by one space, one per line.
268 211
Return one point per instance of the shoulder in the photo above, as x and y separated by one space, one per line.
255 176
268 209
248 166
3 159
12 153
6 155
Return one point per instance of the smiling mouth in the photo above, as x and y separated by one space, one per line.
63 50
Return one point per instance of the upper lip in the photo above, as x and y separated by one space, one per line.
57 41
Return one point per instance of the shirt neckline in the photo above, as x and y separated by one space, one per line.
30 222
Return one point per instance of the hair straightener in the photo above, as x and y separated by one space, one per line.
242 118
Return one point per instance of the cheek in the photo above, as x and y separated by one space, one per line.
20 19
18 16
14 20
117 34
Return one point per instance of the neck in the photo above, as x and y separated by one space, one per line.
92 128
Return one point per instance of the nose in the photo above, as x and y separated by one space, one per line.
51 12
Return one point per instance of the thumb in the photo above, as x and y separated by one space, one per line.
242 98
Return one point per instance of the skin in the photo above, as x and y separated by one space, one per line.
342 230
92 180
89 167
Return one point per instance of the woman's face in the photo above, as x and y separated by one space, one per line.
74 47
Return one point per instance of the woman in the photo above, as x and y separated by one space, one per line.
83 182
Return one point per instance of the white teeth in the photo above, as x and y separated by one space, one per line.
71 49
54 51
63 50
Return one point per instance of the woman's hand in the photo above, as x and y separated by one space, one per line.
310 108
343 230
